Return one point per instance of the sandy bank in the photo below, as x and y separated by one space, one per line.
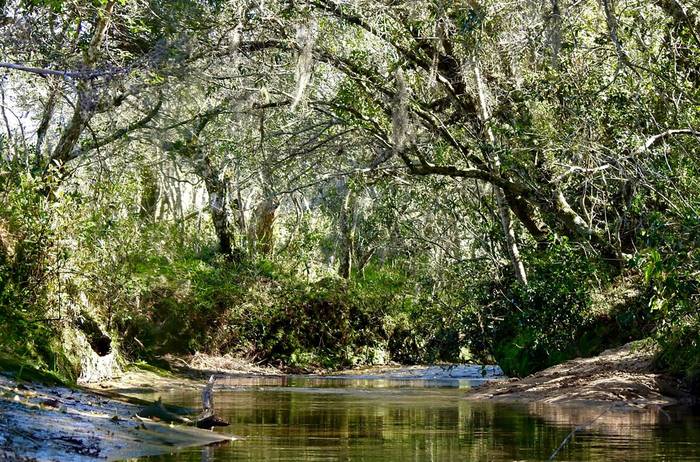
184 372
621 378
59 424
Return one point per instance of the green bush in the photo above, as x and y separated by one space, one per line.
253 309
528 328
261 310
671 268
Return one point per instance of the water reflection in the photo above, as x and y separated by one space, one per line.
301 419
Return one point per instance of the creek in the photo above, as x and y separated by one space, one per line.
421 418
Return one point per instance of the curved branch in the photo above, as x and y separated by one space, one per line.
141 123
76 75
427 168
652 140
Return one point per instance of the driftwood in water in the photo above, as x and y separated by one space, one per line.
208 418
157 411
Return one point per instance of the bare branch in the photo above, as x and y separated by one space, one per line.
652 140
141 123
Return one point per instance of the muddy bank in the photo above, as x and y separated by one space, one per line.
59 424
619 379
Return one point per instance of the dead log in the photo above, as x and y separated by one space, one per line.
208 418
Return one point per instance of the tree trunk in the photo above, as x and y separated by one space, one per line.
265 214
527 214
240 210
149 195
217 189
347 234
503 208
572 220
555 32
43 128
85 107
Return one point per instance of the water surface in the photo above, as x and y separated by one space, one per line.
407 419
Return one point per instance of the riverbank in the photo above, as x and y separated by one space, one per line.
40 422
622 379
98 420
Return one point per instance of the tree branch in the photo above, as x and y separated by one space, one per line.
76 75
141 123
653 140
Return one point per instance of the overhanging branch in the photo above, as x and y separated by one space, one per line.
141 123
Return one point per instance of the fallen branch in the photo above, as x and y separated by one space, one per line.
157 411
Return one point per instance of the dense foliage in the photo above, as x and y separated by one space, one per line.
326 183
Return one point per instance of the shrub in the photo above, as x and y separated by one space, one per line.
528 328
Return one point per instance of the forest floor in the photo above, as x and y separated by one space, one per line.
622 379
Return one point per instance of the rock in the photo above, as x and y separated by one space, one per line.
51 402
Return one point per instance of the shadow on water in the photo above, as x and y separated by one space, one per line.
300 418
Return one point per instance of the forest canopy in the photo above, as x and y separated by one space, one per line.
325 183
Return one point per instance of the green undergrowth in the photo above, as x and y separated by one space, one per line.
575 306
670 266
568 309
31 350
264 312
25 370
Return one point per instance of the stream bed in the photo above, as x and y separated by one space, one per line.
421 417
